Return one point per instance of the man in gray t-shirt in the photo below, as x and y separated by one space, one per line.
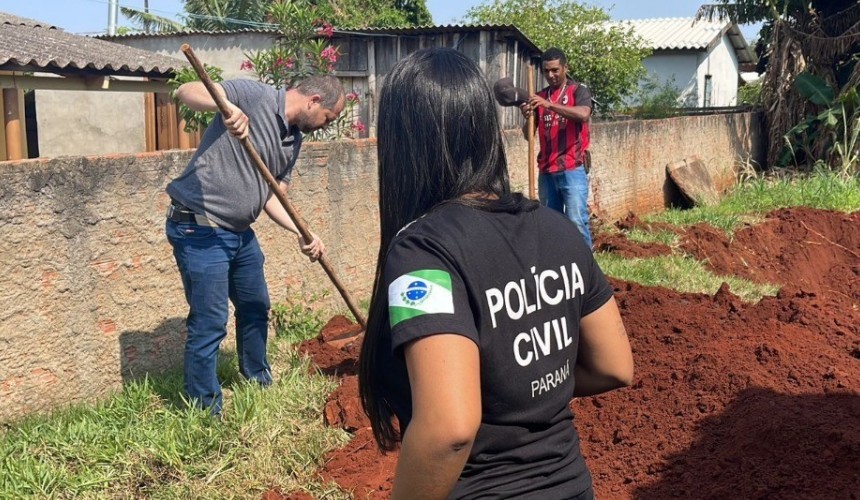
215 201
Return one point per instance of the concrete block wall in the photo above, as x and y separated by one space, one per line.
629 158
91 297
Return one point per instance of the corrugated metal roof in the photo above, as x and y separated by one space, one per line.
677 32
685 33
28 45
165 34
406 30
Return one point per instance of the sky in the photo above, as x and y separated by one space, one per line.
91 16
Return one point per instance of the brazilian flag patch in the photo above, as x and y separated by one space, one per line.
426 291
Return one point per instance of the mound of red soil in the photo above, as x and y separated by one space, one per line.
814 250
730 400
706 366
343 408
335 350
619 244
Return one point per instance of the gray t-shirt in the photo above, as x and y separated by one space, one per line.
221 181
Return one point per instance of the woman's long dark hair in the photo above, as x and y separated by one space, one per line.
439 141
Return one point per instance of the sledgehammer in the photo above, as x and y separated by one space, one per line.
508 95
276 188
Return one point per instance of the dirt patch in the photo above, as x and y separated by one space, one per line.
339 354
705 365
813 250
730 399
343 408
619 244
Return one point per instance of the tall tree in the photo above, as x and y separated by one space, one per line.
808 51
224 14
238 14
151 22
605 56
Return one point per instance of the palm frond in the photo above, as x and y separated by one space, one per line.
738 13
150 22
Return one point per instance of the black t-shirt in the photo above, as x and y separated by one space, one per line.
517 285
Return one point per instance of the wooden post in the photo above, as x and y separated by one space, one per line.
166 122
149 121
531 134
185 138
12 124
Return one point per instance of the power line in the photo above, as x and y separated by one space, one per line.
105 2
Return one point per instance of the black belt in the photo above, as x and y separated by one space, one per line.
177 212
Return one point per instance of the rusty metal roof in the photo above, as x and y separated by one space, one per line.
30 45
411 30
685 33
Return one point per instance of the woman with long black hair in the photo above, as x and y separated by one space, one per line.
489 312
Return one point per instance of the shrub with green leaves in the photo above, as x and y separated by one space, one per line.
194 120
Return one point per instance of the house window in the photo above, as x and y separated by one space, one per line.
708 89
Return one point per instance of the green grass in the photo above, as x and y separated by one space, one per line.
753 198
679 273
639 235
146 442
749 202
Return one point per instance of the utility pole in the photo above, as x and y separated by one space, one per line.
146 20
112 16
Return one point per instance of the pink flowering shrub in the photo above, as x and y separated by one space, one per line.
303 49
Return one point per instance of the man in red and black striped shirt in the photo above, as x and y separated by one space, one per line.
563 110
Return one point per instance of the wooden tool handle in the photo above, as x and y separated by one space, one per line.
276 188
531 136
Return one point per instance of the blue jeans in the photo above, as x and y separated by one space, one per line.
218 265
567 192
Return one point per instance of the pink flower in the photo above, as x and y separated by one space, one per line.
326 30
329 53
352 97
290 62
358 126
247 66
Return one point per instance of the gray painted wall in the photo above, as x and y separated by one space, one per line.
89 122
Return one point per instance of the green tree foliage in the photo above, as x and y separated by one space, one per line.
808 51
416 11
223 14
193 119
750 94
659 99
605 56
374 13
241 14
150 22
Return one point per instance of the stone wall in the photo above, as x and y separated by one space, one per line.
629 158
91 296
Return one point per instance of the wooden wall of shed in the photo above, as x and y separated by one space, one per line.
365 61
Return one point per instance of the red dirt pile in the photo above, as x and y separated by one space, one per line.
730 400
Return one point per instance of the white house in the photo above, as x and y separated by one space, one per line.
703 58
